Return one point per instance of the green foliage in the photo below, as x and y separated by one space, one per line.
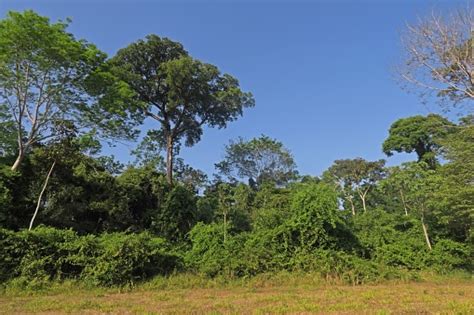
456 209
145 191
271 206
123 259
180 93
177 215
45 254
259 160
8 141
314 217
340 265
209 254
43 70
354 177
313 223
448 255
119 225
419 134
7 179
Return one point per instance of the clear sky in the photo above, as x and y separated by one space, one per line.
320 71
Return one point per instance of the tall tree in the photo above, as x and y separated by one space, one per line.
356 176
180 93
43 71
438 56
419 134
259 160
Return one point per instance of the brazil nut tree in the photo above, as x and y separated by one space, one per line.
178 92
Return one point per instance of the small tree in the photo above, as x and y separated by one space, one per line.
397 185
259 160
419 185
356 175
43 73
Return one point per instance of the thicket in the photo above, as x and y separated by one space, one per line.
33 258
314 236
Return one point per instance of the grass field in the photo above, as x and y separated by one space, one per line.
297 295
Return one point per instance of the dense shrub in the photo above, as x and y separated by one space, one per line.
110 259
177 215
249 254
339 265
126 258
209 253
12 248
311 238
448 255
392 239
410 254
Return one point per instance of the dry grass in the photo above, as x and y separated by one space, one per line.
294 297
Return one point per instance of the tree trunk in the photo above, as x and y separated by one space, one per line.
352 206
169 159
18 160
362 196
425 232
40 197
404 202
225 226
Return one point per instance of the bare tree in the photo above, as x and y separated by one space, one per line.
438 57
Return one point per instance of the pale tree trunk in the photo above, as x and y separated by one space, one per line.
349 198
425 232
404 202
169 159
363 203
352 206
40 197
18 160
225 226
362 196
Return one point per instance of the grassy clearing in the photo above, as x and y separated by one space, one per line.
285 293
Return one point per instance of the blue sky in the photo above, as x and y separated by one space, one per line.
320 71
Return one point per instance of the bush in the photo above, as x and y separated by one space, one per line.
177 215
209 254
45 254
128 258
397 240
409 254
12 250
448 255
38 254
315 221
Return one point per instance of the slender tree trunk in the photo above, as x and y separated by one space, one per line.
404 202
225 226
18 160
425 232
40 197
352 206
362 198
169 159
